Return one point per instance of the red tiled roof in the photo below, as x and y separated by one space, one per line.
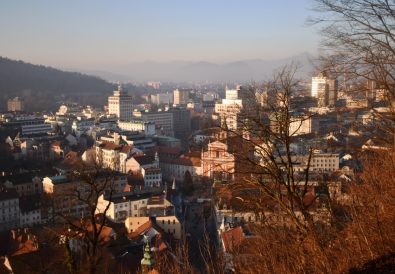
111 146
141 229
233 238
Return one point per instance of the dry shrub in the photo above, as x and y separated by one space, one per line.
351 243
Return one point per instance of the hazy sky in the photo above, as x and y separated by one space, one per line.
96 33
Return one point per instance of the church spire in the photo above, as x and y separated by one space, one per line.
147 262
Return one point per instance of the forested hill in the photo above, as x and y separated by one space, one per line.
43 83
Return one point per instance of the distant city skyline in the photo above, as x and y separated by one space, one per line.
107 34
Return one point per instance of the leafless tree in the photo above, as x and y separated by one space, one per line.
265 159
78 211
359 43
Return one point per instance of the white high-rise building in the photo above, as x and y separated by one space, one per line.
230 108
318 85
324 89
181 96
120 104
16 104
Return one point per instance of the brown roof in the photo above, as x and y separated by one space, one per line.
26 247
184 160
71 159
144 159
135 179
141 229
233 238
112 146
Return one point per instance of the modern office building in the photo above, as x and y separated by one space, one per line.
181 122
16 104
163 120
324 89
120 105
181 96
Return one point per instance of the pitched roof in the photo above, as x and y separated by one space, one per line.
144 159
233 238
112 146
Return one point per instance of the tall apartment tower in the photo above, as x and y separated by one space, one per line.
15 104
324 89
333 87
230 108
181 96
120 104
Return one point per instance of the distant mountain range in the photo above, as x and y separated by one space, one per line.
188 71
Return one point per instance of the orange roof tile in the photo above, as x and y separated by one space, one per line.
233 238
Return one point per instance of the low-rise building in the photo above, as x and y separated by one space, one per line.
148 128
322 162
112 155
121 207
63 191
24 184
30 211
177 167
170 224
9 209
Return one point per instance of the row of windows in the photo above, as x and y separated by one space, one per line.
324 165
226 219
152 177
326 160
9 209
28 219
127 205
10 203
168 222
10 217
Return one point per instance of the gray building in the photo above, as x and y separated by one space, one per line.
181 122
9 209
16 104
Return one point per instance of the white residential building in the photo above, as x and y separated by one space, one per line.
169 224
301 125
148 128
148 167
176 168
324 161
113 156
134 205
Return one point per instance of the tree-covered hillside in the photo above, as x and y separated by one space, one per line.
45 85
